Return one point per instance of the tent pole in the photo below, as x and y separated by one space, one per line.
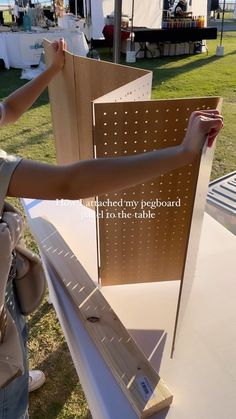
117 31
222 24
220 48
132 27
76 9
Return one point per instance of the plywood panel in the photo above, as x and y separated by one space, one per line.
142 248
143 387
62 97
195 232
71 93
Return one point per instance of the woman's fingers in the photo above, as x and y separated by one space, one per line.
211 124
202 125
55 45
59 45
62 44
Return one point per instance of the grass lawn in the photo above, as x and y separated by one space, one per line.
62 397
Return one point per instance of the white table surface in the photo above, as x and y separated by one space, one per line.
202 374
22 49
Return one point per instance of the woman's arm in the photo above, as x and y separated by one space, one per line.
103 175
22 99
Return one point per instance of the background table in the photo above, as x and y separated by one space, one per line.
173 35
22 49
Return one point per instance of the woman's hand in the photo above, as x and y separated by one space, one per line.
203 126
58 60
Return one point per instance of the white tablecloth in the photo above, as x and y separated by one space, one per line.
21 49
67 22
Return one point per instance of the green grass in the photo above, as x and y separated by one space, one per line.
202 75
62 397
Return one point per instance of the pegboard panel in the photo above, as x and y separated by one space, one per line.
133 91
144 230
94 79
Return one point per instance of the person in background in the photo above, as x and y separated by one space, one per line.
181 10
83 179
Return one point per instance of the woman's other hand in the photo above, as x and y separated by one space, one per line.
58 59
203 126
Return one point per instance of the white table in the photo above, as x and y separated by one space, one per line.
202 375
67 22
22 49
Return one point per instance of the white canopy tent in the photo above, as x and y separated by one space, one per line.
147 14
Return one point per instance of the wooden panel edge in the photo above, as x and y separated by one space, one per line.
117 353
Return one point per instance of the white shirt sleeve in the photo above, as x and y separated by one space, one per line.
2 113
8 164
